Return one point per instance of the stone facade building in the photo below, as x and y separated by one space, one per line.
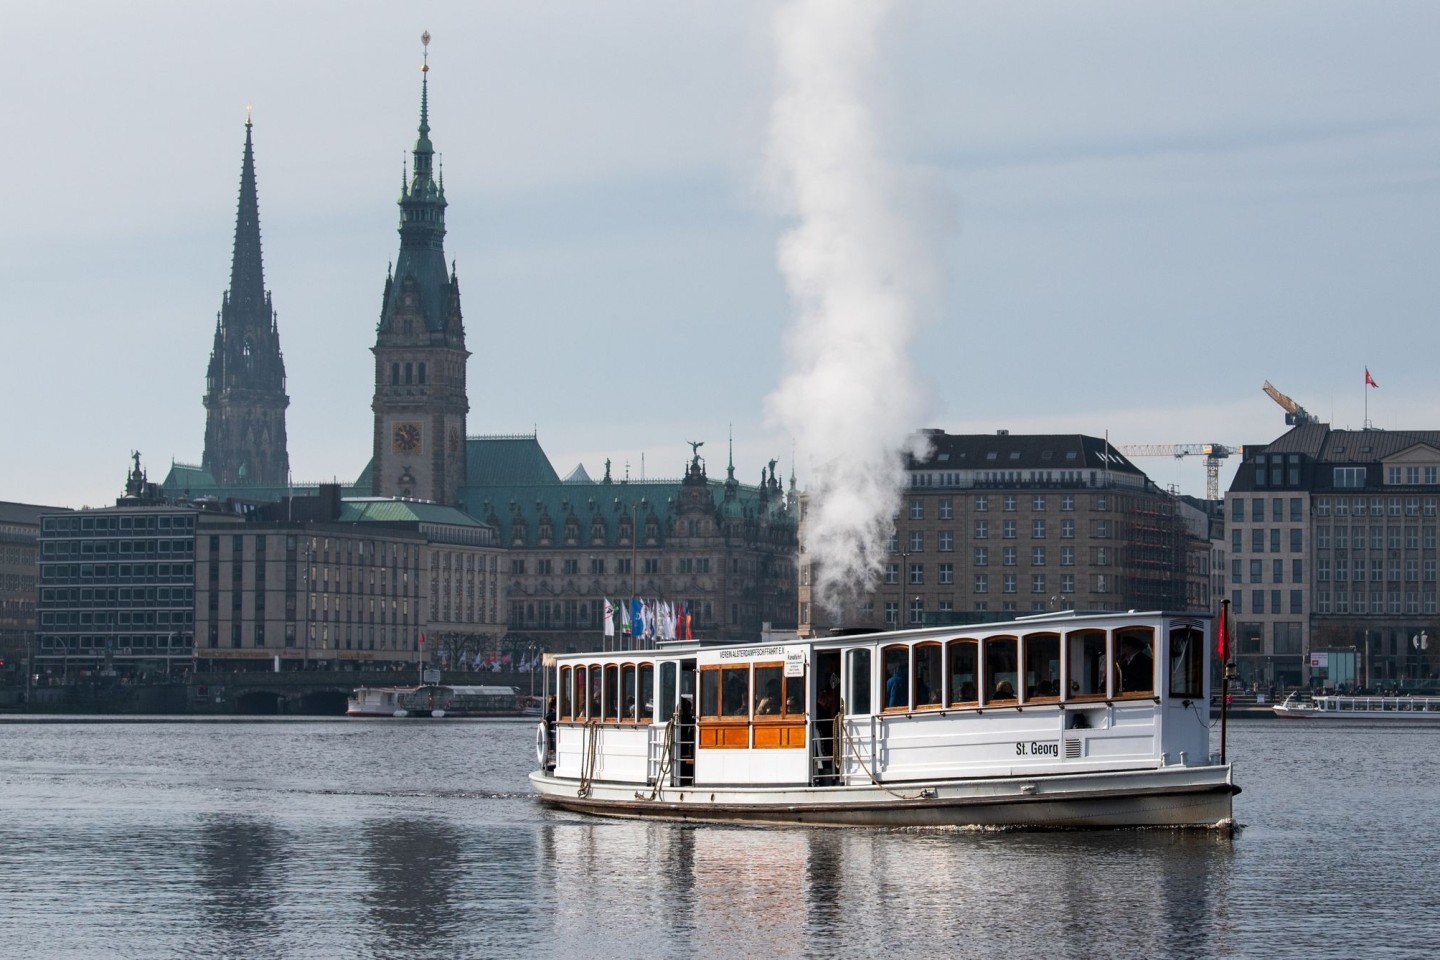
1333 550
326 582
19 585
724 550
991 526
245 397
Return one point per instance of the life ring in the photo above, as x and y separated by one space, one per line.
542 737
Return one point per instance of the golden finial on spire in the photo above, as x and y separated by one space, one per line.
425 42
247 114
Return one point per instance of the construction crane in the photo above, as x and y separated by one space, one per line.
1295 415
1213 453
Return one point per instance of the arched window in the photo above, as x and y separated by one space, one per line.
964 673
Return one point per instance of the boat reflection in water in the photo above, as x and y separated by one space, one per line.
1056 720
856 893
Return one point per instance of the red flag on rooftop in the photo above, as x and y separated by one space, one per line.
1369 380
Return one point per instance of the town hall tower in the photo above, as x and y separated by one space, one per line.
420 401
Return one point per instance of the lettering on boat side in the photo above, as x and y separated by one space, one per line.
750 654
1035 748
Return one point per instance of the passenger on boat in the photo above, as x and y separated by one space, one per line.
1137 669
550 732
685 738
827 705
895 693
1004 690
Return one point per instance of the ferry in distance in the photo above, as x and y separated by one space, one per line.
1058 720
434 700
1398 709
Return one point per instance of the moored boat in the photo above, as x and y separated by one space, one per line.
1017 724
434 700
1395 708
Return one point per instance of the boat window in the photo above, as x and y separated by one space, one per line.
582 700
1135 662
964 673
627 692
895 660
645 698
735 691
562 695
1001 669
1042 666
1187 662
859 678
928 677
710 692
794 706
1085 665
611 698
665 707
769 689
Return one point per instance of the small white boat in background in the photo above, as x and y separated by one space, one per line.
434 700
1052 721
1398 709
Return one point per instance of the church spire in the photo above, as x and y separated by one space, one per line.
247 274
245 397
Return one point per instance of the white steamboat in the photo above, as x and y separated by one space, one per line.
1041 722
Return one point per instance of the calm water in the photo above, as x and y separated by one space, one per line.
419 839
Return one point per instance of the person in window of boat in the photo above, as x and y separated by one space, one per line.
1137 669
895 693
1004 690
770 703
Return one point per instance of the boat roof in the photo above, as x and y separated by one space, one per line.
1057 618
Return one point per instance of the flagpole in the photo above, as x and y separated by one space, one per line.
1224 649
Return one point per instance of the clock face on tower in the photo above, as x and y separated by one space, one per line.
406 437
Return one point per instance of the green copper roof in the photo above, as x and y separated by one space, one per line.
497 461
366 510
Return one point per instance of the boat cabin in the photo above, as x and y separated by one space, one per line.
1053 693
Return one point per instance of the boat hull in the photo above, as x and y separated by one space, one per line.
1167 797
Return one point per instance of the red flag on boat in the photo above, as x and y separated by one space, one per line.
1369 380
1222 644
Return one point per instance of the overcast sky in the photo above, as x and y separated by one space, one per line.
1151 209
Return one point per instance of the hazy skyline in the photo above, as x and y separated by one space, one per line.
1152 210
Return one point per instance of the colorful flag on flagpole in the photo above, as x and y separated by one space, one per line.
1369 380
609 624
624 618
637 618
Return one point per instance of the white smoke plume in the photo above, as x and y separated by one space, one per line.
861 263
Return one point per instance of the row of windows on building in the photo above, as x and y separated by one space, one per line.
1008 530
162 547
598 566
81 523
1395 476
1009 503
340 550
323 637
1339 601
1279 509
116 572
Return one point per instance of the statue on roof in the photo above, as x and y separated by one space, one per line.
695 446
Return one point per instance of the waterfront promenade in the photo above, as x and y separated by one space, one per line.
288 693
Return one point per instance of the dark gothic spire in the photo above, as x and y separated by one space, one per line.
245 397
247 274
